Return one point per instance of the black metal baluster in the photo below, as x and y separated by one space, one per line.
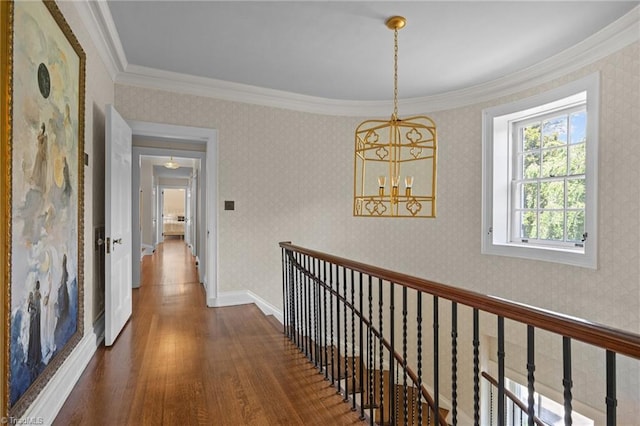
567 382
299 302
363 391
346 337
397 397
611 400
292 298
531 368
314 343
346 348
331 326
381 349
404 354
287 298
476 367
501 354
436 362
419 353
337 358
323 332
301 321
321 315
371 363
285 291
318 344
309 333
353 341
490 406
454 363
392 381
521 416
304 306
310 312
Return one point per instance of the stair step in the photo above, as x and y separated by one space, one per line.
334 361
338 363
413 408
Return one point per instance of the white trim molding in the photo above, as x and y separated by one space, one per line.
210 171
245 297
49 402
497 158
102 30
99 22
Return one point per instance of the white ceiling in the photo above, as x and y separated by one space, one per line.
342 50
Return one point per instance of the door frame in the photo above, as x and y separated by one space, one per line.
136 178
210 175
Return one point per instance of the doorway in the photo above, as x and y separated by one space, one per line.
174 212
163 140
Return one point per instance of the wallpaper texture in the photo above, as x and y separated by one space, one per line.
291 177
99 91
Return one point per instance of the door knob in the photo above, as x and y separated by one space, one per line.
118 241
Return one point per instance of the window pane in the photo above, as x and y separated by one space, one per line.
529 193
577 159
554 162
576 193
552 225
531 166
552 195
578 127
575 225
531 137
528 225
554 132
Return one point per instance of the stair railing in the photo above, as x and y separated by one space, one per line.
352 320
518 412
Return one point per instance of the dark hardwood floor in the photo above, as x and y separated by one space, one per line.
178 362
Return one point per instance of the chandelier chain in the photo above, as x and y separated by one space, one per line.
395 74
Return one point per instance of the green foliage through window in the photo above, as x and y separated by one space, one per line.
550 176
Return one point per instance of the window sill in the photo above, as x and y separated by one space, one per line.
580 256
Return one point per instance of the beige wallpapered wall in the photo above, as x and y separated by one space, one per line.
99 91
291 176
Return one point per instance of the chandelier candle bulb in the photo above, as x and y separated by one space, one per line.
408 182
394 186
381 182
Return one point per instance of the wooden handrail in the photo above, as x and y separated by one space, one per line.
616 340
513 398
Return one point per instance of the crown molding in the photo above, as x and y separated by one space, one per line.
102 30
201 86
610 39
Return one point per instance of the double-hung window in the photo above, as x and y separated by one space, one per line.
540 175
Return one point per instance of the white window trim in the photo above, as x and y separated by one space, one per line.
496 161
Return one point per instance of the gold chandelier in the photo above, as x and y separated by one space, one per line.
395 153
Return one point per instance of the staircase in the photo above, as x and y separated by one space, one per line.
368 329
369 392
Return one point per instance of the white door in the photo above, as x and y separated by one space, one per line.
118 225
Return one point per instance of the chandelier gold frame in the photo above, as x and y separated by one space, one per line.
393 154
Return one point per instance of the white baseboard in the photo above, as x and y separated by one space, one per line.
266 307
48 403
244 297
147 250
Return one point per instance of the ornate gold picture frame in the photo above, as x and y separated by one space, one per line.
42 215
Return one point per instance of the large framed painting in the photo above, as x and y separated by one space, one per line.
42 197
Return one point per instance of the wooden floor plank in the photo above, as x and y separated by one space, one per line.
179 362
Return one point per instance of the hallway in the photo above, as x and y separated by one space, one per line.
179 362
